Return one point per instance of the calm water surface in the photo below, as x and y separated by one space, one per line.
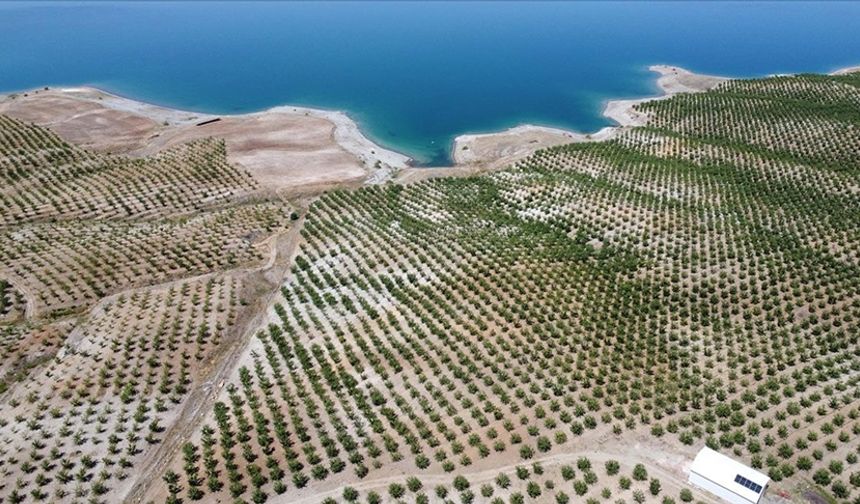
414 75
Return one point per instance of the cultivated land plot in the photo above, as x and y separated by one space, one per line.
83 420
694 281
45 178
65 265
124 286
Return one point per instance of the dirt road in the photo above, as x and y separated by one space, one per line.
672 481
201 399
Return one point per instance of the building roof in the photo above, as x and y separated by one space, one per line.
730 474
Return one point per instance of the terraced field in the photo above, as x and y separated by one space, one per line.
45 178
125 283
572 328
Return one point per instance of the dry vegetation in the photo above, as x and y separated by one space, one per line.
12 303
695 281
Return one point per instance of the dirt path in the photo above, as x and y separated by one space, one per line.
412 175
29 303
201 399
270 244
669 479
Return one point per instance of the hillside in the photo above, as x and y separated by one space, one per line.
125 284
570 328
538 332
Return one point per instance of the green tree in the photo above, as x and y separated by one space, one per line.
533 489
413 484
396 490
173 487
840 490
654 486
567 472
822 477
350 494
612 467
373 498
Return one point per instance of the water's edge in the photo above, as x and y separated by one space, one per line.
342 118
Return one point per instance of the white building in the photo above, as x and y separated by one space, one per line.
727 478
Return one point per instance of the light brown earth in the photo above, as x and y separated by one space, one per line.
87 117
502 148
280 149
283 148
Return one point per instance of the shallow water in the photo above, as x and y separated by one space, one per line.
414 75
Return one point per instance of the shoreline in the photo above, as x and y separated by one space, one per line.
150 127
347 129
504 145
846 70
286 148
671 80
488 149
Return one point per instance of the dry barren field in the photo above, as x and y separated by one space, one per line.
570 328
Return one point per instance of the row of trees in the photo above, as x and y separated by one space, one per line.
668 283
46 179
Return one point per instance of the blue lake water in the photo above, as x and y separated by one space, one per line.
414 75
